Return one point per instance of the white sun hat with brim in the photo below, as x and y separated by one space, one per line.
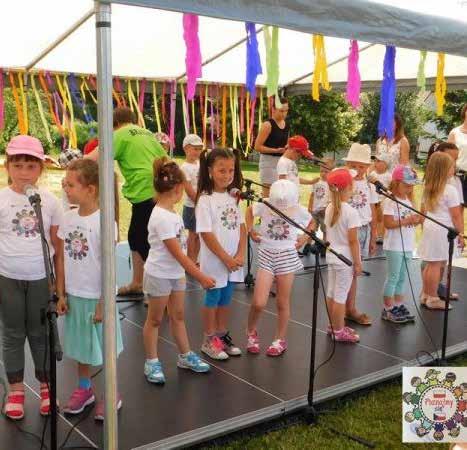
360 153
284 195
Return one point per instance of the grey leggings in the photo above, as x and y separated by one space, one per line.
21 303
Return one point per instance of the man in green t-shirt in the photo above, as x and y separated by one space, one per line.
135 150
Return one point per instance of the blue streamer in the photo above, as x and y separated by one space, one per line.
253 60
77 97
388 94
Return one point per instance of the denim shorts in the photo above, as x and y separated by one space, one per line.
162 287
220 296
189 218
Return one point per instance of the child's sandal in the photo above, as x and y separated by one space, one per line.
45 402
435 303
14 408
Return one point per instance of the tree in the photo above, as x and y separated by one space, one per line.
330 124
451 118
414 115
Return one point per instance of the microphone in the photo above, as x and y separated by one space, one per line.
239 195
32 194
380 187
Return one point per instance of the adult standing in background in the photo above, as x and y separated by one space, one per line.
397 150
135 150
458 136
271 142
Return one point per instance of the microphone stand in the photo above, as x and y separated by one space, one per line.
249 279
55 351
452 234
311 413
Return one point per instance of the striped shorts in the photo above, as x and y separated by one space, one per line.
279 261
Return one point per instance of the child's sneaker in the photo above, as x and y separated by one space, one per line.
406 313
350 330
153 372
229 347
79 399
14 408
193 362
345 335
393 315
99 415
214 348
253 343
277 347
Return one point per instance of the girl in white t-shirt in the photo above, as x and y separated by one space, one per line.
220 224
164 273
83 309
399 243
277 259
441 201
24 288
342 223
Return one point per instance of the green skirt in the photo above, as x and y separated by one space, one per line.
83 340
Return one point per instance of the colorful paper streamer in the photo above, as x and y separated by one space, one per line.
421 80
193 53
320 72
271 41
440 88
253 59
353 76
388 94
2 103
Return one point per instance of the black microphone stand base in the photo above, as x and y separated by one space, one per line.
249 280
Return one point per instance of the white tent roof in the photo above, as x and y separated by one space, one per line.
149 43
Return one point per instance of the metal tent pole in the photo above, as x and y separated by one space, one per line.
107 212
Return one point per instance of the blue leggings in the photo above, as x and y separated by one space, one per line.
396 272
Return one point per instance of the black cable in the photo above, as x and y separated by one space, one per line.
414 301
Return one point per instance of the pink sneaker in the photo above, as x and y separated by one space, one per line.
99 415
277 347
345 335
79 399
350 330
253 343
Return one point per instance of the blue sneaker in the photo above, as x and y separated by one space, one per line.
406 313
153 372
394 315
193 362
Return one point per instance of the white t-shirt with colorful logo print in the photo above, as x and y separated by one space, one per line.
82 249
191 171
20 240
219 214
163 225
320 191
276 232
393 240
361 200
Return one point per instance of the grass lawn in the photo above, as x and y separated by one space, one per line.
374 416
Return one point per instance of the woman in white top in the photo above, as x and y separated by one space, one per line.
458 136
398 148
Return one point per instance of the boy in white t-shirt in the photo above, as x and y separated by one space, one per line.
363 200
192 146
382 174
297 146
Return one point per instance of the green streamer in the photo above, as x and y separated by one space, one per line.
271 42
421 81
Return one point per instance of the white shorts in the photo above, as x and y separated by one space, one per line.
162 287
268 168
339 282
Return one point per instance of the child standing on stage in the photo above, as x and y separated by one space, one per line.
441 201
399 243
164 273
223 239
277 258
297 146
382 174
192 146
24 288
83 308
342 223
319 197
363 200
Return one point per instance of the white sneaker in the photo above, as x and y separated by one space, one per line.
214 348
229 347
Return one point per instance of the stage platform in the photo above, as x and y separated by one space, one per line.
191 408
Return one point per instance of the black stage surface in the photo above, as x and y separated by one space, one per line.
242 391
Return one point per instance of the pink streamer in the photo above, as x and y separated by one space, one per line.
173 98
353 77
252 120
213 117
193 52
242 112
2 106
142 90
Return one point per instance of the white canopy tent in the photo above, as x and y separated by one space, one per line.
148 43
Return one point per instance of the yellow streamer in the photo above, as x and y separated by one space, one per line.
260 110
248 135
193 116
320 73
24 101
41 110
19 109
224 116
185 117
156 107
85 84
67 105
440 89
232 117
134 105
